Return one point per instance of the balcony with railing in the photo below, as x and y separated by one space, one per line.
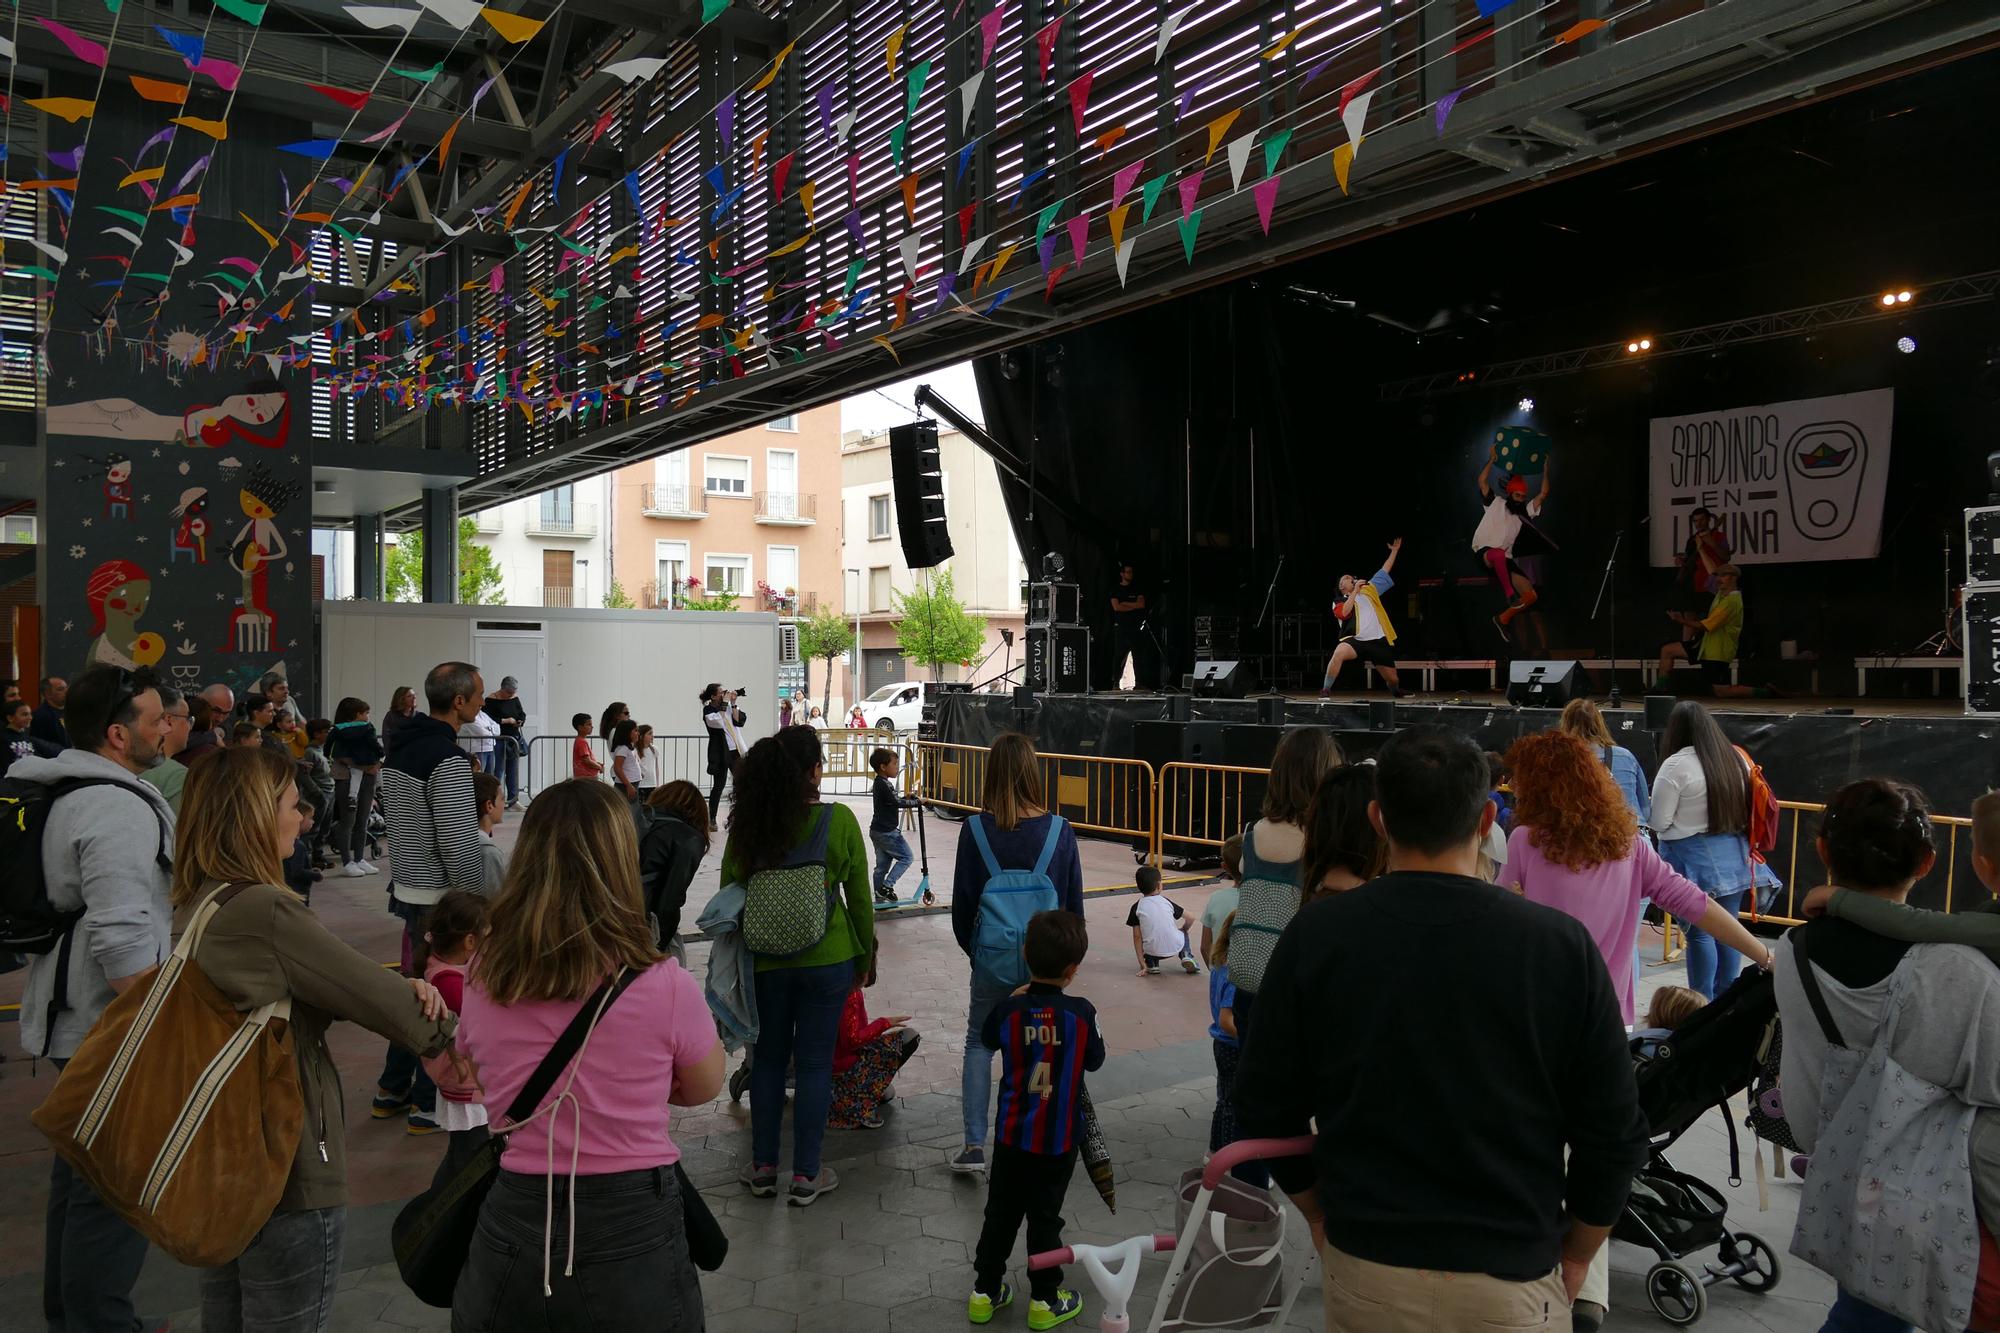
558 596
675 499
787 508
487 521
572 520
786 603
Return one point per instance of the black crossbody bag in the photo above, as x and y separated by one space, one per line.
432 1235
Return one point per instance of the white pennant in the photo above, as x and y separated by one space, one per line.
7 47
60 256
1124 256
631 71
458 13
841 128
909 246
1239 158
383 16
968 98
971 255
1355 116
123 235
1167 29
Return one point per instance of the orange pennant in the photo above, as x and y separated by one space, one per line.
776 65
887 346
1109 137
444 142
160 90
707 322
1000 260
1217 128
71 109
910 196
757 151
1343 162
806 193
149 174
178 201
269 239
68 184
1578 31
799 244
514 208
214 129
321 218
1116 217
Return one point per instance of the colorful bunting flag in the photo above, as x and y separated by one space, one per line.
513 28
806 193
968 98
1150 193
1284 42
971 252
1187 99
139 177
1355 115
1121 184
897 133
964 157
1189 225
1575 32
1239 158
420 75
1357 87
1168 26
249 11
771 75
825 97
71 109
1444 106
1123 255
919 72
352 101
89 52
1045 249
711 10
1216 129
909 246
1109 137
189 48
388 131
1045 43
1045 219
632 71
781 171
1079 97
989 32
458 13
1079 234
1190 190
725 120
1265 192
160 90
910 196
1343 162
965 217
1274 148
1488 8
894 45
214 129
853 224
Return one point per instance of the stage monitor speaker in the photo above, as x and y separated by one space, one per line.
1982 650
1180 708
1382 714
1659 707
1982 544
1224 680
919 477
1543 684
1271 710
1058 659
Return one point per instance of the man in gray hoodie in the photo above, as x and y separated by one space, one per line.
106 851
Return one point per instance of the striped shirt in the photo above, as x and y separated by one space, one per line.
432 813
1047 1040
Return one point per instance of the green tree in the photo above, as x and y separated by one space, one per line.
935 627
826 634
479 580
616 599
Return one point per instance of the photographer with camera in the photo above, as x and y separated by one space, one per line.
726 744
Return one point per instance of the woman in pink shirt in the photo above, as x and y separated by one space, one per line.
587 1181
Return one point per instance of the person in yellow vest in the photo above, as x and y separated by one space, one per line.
1370 636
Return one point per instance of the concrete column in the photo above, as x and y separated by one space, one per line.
441 545
367 569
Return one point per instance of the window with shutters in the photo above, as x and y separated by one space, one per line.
725 474
879 518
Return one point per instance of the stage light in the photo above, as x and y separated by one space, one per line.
1526 404
1645 344
1888 298
1639 345
1631 347
1906 344
1901 296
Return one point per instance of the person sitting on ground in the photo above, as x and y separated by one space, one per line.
1222 903
492 798
1432 1209
582 763
866 1059
239 815
1047 1039
600 1170
1159 928
674 836
1342 851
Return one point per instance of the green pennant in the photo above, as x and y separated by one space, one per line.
918 73
111 5
1152 190
711 10
853 276
1274 148
1189 226
1044 219
419 75
247 10
896 136
568 244
238 283
156 277
33 271
337 228
126 214
596 303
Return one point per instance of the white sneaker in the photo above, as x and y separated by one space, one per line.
368 868
353 870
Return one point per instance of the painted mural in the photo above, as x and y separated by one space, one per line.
178 488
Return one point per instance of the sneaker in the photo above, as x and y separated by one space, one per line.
1501 626
739 1079
1586 1317
1191 965
972 1157
980 1309
368 868
804 1191
422 1123
1047 1314
1152 969
1402 694
1325 695
761 1178
388 1103
353 870
873 1120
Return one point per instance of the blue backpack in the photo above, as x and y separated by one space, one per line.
1009 900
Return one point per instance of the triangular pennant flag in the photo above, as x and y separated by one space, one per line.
887 346
1285 42
989 31
965 216
1049 291
853 276
968 98
389 130
806 193
1116 217
1187 99
825 99
919 72
71 109
247 10
1354 115
1274 148
1045 42
377 17
1000 260
725 120
137 178
1265 192
1079 97
910 196
893 46
632 188
897 133
631 71
909 245
1150 192
160 90
1190 190
714 177
1216 129
458 13
89 52
964 157
352 101
1123 254
781 170
513 28
1046 250
1343 162
1575 32
842 127
771 74
1355 89
711 10
420 75
214 129
1046 218
1488 8
1109 137
1239 158
1121 184
971 252
853 224
1168 26
189 47
1444 106
1079 234
1189 225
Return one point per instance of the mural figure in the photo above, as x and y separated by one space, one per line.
117 483
252 626
191 527
261 415
117 593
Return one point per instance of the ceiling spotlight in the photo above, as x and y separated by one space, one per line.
1526 404
1888 298
1906 344
1631 347
1902 298
1645 344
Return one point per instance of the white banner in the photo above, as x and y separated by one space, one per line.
1802 480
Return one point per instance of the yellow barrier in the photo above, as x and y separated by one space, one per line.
845 752
1095 793
1201 805
1804 831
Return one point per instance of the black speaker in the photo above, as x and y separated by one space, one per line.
1543 684
1982 650
1225 680
1271 710
1982 544
1180 708
919 478
1659 707
1058 659
1382 714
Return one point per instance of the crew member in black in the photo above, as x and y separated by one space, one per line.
1129 606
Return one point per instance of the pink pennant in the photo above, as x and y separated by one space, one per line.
1079 234
389 130
225 74
853 177
1122 182
496 279
1190 188
1265 192
1356 88
1079 97
989 31
89 52
1045 40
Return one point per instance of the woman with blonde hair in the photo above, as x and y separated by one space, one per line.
239 818
1581 719
1014 831
594 1164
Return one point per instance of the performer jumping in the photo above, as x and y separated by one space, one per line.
1507 512
1373 639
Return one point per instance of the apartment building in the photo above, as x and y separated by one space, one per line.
987 569
553 549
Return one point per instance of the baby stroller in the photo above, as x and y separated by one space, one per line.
1229 1258
1711 1058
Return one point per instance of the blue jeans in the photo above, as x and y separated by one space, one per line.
510 767
892 858
489 761
91 1257
976 1085
401 1069
798 1020
284 1283
1712 966
1851 1314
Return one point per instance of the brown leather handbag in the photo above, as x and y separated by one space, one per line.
182 1111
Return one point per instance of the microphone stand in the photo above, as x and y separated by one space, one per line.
1607 598
1270 595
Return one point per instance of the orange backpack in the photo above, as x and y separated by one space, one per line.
1764 811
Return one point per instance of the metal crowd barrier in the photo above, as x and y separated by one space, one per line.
1201 805
548 760
1114 798
846 751
1804 871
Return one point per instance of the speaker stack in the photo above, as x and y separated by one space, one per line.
918 472
1981 607
1058 659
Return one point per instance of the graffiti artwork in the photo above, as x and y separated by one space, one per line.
260 542
116 483
117 593
260 416
191 527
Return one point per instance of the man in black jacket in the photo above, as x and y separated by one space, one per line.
1453 1042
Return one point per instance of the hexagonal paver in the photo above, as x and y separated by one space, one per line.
795 1292
1165 1169
887 1287
932 1314
754 1262
751 1319
832 1316
721 1293
881 1228
961 1225
843 1257
919 1202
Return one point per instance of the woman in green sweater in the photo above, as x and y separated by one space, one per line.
780 832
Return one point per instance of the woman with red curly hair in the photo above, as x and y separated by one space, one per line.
1576 847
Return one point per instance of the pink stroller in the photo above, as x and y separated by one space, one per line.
1227 1271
